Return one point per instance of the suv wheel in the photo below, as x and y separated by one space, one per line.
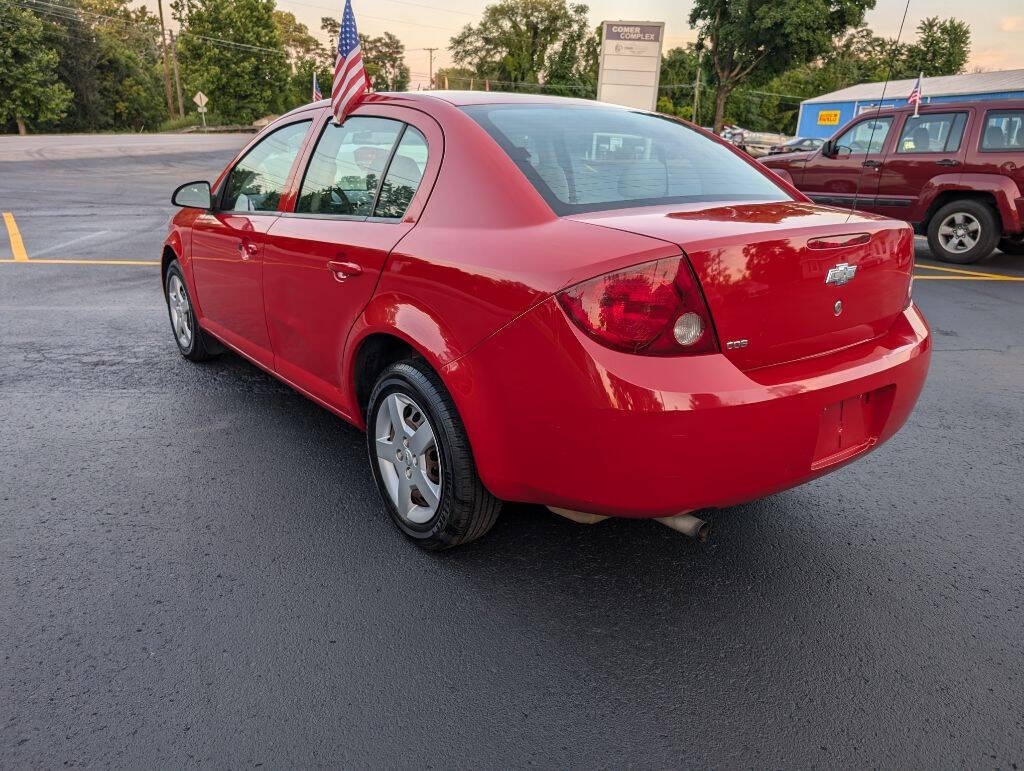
1012 245
963 231
421 460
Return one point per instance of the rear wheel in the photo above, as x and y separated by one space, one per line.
421 460
1012 245
193 342
963 232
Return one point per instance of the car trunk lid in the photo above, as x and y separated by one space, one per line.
785 280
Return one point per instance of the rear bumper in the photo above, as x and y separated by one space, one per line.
557 419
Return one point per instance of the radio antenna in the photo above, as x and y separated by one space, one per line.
881 103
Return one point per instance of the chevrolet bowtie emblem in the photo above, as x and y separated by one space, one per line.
840 274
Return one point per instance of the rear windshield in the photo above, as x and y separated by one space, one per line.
584 159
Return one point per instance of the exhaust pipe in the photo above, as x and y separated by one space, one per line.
688 525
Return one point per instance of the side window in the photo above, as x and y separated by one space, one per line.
404 175
932 133
1004 130
346 167
257 181
868 136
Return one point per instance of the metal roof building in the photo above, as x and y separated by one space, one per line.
822 115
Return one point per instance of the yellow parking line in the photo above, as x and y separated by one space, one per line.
17 245
961 271
82 262
980 277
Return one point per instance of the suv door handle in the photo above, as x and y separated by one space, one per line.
948 162
872 164
342 270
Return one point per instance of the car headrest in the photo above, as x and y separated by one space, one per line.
922 140
404 170
994 137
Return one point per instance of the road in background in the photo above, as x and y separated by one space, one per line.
195 567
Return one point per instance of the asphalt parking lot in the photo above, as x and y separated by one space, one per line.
195 567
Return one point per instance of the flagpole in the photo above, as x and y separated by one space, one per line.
920 94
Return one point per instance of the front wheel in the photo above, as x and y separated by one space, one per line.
422 462
193 342
963 232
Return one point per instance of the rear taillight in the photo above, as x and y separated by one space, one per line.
653 309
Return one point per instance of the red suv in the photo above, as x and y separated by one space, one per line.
956 172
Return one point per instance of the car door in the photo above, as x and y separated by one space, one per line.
929 145
227 242
853 171
363 187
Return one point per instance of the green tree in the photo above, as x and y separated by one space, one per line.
29 92
767 37
384 59
572 68
306 55
530 42
109 58
942 48
295 37
231 51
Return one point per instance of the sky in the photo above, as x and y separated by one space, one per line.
997 26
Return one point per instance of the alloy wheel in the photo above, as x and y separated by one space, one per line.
181 316
959 232
408 456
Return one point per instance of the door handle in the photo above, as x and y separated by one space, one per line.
342 270
948 162
247 250
872 164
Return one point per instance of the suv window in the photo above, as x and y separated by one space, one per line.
868 136
257 181
1004 130
932 133
583 159
404 174
346 168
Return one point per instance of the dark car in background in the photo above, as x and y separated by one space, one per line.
955 172
799 144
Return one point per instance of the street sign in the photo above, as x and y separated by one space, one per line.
201 110
630 63
200 99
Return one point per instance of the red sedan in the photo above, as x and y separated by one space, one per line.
602 310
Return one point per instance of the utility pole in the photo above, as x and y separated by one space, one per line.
696 87
167 68
177 78
431 52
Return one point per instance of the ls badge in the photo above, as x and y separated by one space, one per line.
841 274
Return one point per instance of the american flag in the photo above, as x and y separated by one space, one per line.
350 79
915 95
317 96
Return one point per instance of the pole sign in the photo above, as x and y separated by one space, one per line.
201 100
630 63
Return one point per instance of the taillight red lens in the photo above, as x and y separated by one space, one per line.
636 310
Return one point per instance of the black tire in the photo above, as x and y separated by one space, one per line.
465 510
986 239
1014 245
200 346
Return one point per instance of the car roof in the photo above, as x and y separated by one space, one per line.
990 104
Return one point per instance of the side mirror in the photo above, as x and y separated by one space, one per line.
829 149
195 195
